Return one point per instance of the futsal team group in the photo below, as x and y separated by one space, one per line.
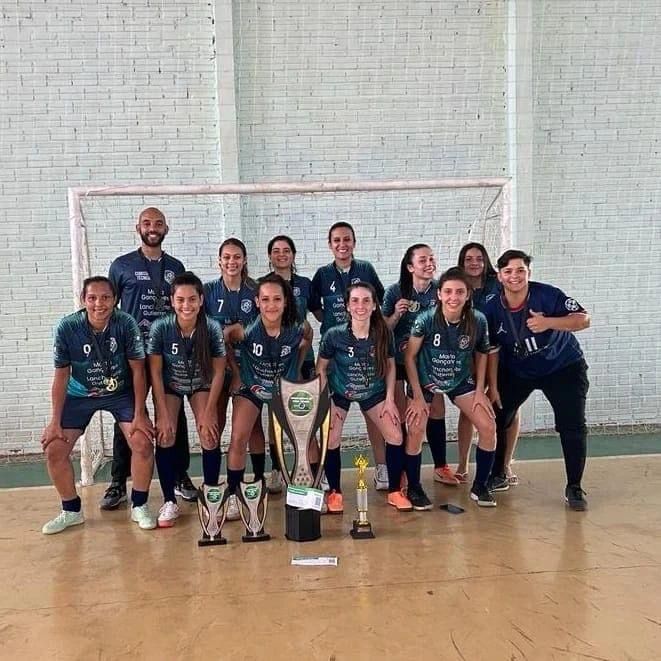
478 337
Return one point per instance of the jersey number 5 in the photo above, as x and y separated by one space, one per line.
175 349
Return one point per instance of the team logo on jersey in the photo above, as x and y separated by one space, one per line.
572 305
296 291
464 342
355 281
113 345
501 329
246 305
168 276
489 297
285 351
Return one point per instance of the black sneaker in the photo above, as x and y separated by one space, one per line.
418 498
498 483
482 496
114 496
574 497
186 489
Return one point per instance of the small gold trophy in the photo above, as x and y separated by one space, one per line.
362 528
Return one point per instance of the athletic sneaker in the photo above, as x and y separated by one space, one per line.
445 475
114 496
168 514
381 477
143 517
274 483
186 489
418 499
335 502
233 509
399 501
574 497
498 483
482 496
63 521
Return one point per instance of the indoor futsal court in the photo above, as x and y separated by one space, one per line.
330 269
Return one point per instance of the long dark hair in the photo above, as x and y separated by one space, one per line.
489 271
467 325
233 241
379 331
405 276
289 316
290 242
201 341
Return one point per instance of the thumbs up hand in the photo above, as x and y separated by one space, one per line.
537 323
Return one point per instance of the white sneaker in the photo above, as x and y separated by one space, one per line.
233 509
63 521
143 517
381 482
274 483
323 485
168 514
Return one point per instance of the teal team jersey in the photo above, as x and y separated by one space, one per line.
352 372
181 369
99 361
265 358
445 359
419 302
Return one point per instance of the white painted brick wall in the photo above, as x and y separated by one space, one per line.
596 174
107 92
113 91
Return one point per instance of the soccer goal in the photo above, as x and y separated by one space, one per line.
388 216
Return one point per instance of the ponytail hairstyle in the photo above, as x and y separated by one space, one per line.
405 276
233 241
289 316
201 340
379 331
489 272
467 325
290 242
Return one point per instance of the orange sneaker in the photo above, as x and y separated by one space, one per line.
335 502
399 501
445 475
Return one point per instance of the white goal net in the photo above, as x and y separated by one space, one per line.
388 216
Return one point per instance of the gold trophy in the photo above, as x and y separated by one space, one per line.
362 528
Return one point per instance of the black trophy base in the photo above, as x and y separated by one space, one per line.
302 525
260 537
207 541
361 531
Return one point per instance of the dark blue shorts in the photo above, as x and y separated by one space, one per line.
365 404
169 391
78 411
464 388
246 393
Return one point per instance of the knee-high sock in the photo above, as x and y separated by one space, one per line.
413 463
166 459
333 467
211 460
436 437
395 462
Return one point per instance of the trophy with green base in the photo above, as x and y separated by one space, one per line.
362 528
253 500
300 411
212 509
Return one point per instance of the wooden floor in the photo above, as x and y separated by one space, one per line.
527 580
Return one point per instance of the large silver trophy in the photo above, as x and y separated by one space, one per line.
301 412
253 501
212 505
